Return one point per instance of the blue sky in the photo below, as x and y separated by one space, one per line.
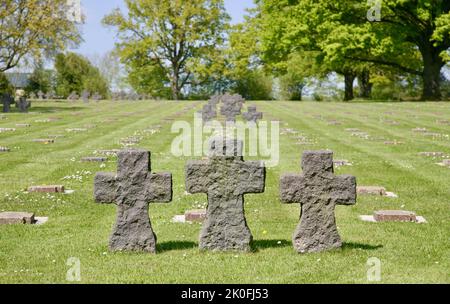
98 39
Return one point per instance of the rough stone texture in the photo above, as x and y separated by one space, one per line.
6 100
23 104
394 216
232 106
195 215
225 177
371 190
7 218
252 115
318 190
209 112
47 189
132 188
85 96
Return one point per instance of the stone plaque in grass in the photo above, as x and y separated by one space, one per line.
47 189
394 216
44 140
371 190
432 154
195 215
7 130
7 218
24 125
108 152
94 159
419 130
341 162
76 130
393 143
4 149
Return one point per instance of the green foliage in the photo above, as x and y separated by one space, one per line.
181 37
34 28
5 85
74 73
254 86
40 80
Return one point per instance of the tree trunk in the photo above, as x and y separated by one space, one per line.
365 87
174 88
433 64
349 80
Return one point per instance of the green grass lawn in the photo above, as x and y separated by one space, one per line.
78 227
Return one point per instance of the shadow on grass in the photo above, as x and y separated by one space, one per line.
265 244
352 246
175 245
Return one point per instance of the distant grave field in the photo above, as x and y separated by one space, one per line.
403 148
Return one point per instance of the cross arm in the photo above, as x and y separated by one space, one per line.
159 187
291 188
252 177
105 187
344 190
197 177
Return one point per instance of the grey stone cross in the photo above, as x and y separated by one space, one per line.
252 115
132 188
225 177
318 190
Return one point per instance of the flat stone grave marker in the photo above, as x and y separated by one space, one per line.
94 159
76 130
8 218
225 177
393 216
318 191
108 152
7 130
374 190
46 189
4 149
24 125
44 140
393 143
195 215
419 130
132 188
341 162
445 163
432 154
352 130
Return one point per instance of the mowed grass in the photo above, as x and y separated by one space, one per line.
78 227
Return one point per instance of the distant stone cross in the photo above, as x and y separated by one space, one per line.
318 190
132 188
252 115
225 177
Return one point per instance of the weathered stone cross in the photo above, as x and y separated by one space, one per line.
131 189
225 177
318 190
252 115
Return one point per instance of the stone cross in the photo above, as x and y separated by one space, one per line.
85 96
23 104
40 95
252 115
6 101
225 177
318 191
132 188
208 112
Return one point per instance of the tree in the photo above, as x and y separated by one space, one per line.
74 73
33 28
111 69
40 80
5 85
171 34
412 37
